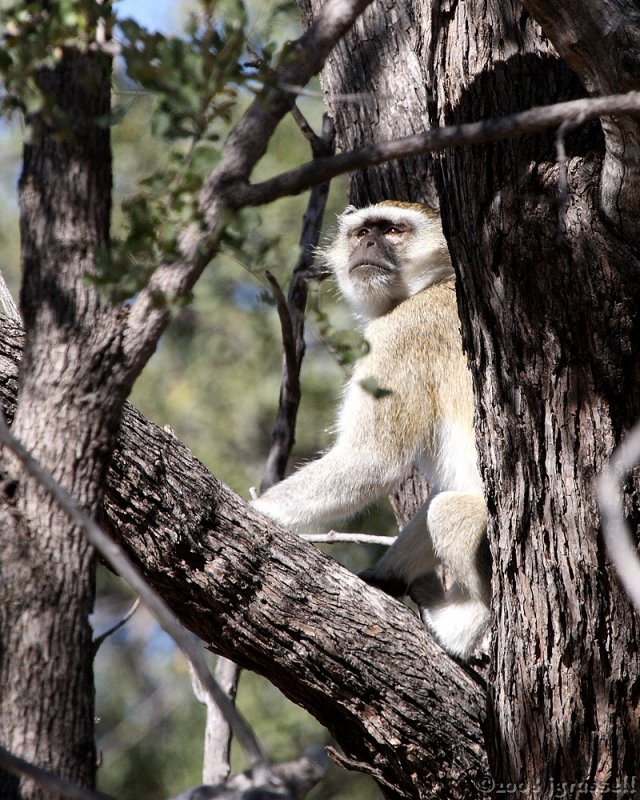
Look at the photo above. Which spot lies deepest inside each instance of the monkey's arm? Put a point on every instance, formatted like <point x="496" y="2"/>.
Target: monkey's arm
<point x="369" y="457"/>
<point x="334" y="487"/>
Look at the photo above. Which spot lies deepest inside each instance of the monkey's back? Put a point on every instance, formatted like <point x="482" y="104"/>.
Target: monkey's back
<point x="424" y="411"/>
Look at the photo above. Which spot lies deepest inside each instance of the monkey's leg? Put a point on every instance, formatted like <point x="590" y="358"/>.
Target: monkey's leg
<point x="457" y="523"/>
<point x="460" y="617"/>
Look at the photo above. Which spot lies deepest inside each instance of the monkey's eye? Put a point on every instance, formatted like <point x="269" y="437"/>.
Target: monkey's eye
<point x="393" y="230"/>
<point x="360" y="232"/>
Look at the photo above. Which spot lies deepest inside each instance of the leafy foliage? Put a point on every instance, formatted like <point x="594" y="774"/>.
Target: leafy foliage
<point x="33" y="38"/>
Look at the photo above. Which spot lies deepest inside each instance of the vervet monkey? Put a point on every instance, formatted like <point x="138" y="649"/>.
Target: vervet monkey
<point x="392" y="266"/>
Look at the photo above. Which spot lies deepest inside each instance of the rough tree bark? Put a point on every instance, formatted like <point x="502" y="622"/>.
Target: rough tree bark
<point x="548" y="293"/>
<point x="549" y="318"/>
<point x="69" y="400"/>
<point x="549" y="305"/>
<point x="350" y="655"/>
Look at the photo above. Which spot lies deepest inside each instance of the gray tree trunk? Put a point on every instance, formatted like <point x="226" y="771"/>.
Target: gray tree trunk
<point x="68" y="403"/>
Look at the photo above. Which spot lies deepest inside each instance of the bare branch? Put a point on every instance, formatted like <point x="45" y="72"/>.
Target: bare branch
<point x="286" y="327"/>
<point x="573" y="113"/>
<point x="217" y="736"/>
<point x="292" y="314"/>
<point x="47" y="779"/>
<point x="100" y="639"/>
<point x="247" y="143"/>
<point x="128" y="571"/>
<point x="331" y="537"/>
<point x="227" y="572"/>
<point x="621" y="548"/>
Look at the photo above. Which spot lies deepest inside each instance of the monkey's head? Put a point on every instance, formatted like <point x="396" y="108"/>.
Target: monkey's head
<point x="385" y="253"/>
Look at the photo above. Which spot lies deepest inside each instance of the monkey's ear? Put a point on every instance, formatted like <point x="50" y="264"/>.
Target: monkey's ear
<point x="348" y="210"/>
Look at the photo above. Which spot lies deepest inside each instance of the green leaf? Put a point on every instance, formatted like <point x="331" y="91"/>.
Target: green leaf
<point x="372" y="387"/>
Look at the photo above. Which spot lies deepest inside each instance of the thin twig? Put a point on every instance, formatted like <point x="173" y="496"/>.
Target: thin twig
<point x="152" y="600"/>
<point x="100" y="639"/>
<point x="286" y="328"/>
<point x="354" y="538"/>
<point x="48" y="780"/>
<point x="536" y="120"/>
<point x="619" y="542"/>
<point x="292" y="314"/>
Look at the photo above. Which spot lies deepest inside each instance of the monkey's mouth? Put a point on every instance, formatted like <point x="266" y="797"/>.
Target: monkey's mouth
<point x="366" y="268"/>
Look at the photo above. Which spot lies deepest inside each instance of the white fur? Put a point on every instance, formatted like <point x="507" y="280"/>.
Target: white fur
<point x="425" y="258"/>
<point x="459" y="622"/>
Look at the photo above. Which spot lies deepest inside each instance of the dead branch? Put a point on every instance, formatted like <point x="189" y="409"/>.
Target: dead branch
<point x="292" y="312"/>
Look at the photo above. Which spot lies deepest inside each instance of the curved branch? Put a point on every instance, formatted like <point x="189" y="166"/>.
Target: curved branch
<point x="570" y="114"/>
<point x="621" y="548"/>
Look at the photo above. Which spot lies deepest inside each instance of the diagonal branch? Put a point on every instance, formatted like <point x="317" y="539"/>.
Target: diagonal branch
<point x="570" y="114"/>
<point x="123" y="565"/>
<point x="291" y="311"/>
<point x="48" y="780"/>
<point x="275" y="604"/>
<point x="246" y="144"/>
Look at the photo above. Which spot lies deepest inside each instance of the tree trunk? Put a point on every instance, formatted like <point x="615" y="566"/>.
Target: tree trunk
<point x="548" y="296"/>
<point x="67" y="413"/>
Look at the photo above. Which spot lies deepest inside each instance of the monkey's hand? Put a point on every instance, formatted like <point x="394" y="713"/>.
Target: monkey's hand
<point x="276" y="508"/>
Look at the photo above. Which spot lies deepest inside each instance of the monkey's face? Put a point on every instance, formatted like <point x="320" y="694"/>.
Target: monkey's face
<point x="386" y="253"/>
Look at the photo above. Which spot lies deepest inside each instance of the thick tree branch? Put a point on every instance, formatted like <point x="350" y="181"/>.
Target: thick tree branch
<point x="355" y="658"/>
<point x="123" y="565"/>
<point x="570" y="114"/>
<point x="601" y="43"/>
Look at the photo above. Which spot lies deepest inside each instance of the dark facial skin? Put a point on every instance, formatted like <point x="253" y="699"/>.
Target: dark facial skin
<point x="374" y="244"/>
